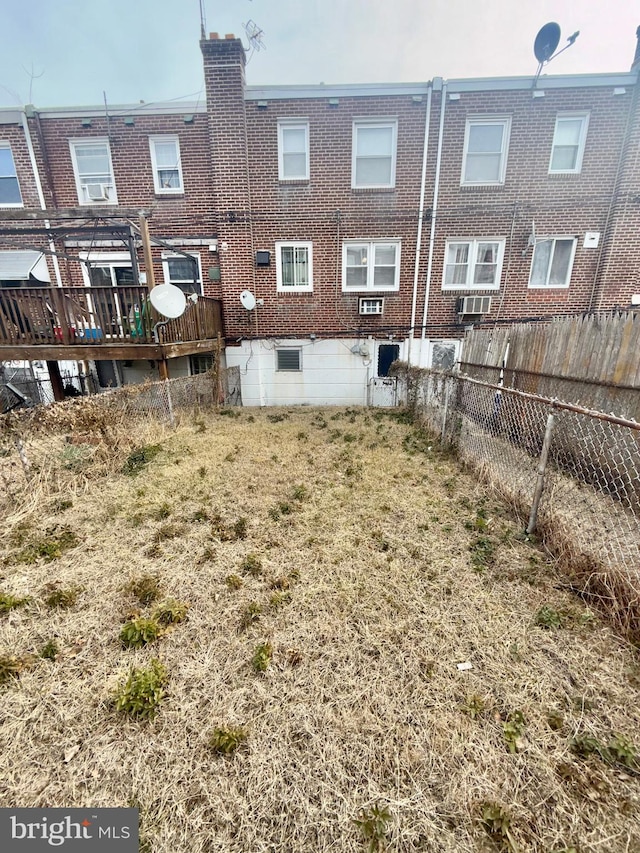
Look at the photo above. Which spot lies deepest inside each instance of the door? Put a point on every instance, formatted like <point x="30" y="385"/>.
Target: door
<point x="382" y="388"/>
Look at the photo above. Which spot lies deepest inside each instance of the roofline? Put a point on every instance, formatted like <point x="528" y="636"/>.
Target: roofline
<point x="10" y="115"/>
<point x="97" y="111"/>
<point x="480" y="84"/>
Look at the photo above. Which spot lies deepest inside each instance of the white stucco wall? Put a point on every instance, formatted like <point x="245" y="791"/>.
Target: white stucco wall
<point x="331" y="374"/>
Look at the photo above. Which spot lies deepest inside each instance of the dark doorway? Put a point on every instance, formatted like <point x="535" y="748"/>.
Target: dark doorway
<point x="387" y="354"/>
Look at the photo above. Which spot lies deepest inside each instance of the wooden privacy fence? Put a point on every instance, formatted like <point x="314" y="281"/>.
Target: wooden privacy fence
<point x="593" y="361"/>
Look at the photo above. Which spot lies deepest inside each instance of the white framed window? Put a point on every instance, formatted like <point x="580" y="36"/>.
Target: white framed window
<point x="167" y="168"/>
<point x="473" y="264"/>
<point x="373" y="265"/>
<point x="569" y="138"/>
<point x="552" y="262"/>
<point x="10" y="195"/>
<point x="288" y="360"/>
<point x="294" y="267"/>
<point x="486" y="142"/>
<point x="93" y="170"/>
<point x="293" y="150"/>
<point x="373" y="162"/>
<point x="183" y="272"/>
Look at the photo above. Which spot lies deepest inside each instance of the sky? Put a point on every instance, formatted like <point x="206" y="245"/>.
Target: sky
<point x="68" y="52"/>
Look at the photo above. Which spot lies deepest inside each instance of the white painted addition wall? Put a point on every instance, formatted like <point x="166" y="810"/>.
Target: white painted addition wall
<point x="331" y="374"/>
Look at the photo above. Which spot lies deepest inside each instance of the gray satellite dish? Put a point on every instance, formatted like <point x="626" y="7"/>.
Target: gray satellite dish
<point x="168" y="300"/>
<point x="546" y="42"/>
<point x="248" y="300"/>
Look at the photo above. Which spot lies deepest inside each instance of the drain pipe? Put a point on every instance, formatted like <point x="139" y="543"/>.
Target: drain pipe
<point x="43" y="205"/>
<point x="423" y="186"/>
<point x="434" y="208"/>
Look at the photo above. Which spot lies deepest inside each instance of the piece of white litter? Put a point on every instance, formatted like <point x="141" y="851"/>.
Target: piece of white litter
<point x="464" y="666"/>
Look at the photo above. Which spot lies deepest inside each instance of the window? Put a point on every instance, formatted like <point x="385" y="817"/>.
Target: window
<point x="93" y="172"/>
<point x="288" y="360"/>
<point x="371" y="266"/>
<point x="374" y="154"/>
<point x="486" y="141"/>
<point x="167" y="169"/>
<point x="552" y="262"/>
<point x="568" y="144"/>
<point x="183" y="272"/>
<point x="443" y="354"/>
<point x="293" y="151"/>
<point x="10" y="195"/>
<point x="201" y="363"/>
<point x="473" y="264"/>
<point x="294" y="267"/>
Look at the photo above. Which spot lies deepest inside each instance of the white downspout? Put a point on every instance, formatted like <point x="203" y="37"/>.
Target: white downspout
<point x="43" y="205"/>
<point x="423" y="186"/>
<point x="434" y="208"/>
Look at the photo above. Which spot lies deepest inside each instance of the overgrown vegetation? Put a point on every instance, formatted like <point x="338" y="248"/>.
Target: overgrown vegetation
<point x="142" y="693"/>
<point x="140" y="457"/>
<point x="225" y="740"/>
<point x="318" y="592"/>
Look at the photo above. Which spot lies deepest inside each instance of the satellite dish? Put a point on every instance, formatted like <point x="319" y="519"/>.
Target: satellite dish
<point x="168" y="300"/>
<point x="546" y="42"/>
<point x="248" y="300"/>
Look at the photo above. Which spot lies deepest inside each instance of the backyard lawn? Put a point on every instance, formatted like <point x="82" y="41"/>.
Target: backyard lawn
<point x="296" y="591"/>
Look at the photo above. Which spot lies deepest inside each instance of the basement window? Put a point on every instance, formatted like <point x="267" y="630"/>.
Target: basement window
<point x="288" y="360"/>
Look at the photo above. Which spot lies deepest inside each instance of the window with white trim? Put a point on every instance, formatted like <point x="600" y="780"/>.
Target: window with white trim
<point x="10" y="195"/>
<point x="294" y="267"/>
<point x="371" y="265"/>
<point x="473" y="264"/>
<point x="552" y="262"/>
<point x="374" y="153"/>
<point x="184" y="272"/>
<point x="93" y="170"/>
<point x="569" y="139"/>
<point x="486" y="142"/>
<point x="167" y="168"/>
<point x="293" y="150"/>
<point x="288" y="360"/>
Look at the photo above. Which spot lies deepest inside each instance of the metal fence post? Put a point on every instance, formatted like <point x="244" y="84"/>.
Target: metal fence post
<point x="24" y="459"/>
<point x="447" y="391"/>
<point x="172" y="420"/>
<point x="542" y="467"/>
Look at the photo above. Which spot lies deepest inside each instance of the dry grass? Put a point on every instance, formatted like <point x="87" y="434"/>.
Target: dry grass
<point x="362" y="710"/>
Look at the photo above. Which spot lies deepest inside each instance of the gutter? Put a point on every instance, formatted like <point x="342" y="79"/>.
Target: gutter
<point x="43" y="206"/>
<point x="434" y="208"/>
<point x="423" y="187"/>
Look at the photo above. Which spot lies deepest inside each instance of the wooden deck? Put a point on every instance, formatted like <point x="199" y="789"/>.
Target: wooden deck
<point x="53" y="323"/>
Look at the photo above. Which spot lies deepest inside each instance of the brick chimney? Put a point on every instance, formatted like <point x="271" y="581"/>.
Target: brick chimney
<point x="636" y="59"/>
<point x="224" y="75"/>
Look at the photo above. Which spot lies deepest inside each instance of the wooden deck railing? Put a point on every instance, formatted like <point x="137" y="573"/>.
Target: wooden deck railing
<point x="98" y="315"/>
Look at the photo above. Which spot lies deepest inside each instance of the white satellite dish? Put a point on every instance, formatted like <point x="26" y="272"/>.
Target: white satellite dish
<point x="248" y="300"/>
<point x="168" y="300"/>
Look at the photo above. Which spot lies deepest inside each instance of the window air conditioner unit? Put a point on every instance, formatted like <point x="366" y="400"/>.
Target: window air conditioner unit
<point x="371" y="306"/>
<point x="474" y="305"/>
<point x="97" y="192"/>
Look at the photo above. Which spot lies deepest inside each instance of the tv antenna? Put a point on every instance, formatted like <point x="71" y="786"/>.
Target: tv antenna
<point x="544" y="47"/>
<point x="254" y="34"/>
<point x="248" y="300"/>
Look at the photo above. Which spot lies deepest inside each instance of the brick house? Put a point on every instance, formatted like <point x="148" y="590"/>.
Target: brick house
<point x="367" y="222"/>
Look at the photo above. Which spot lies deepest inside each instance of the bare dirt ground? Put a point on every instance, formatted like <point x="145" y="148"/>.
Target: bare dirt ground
<point x="367" y="566"/>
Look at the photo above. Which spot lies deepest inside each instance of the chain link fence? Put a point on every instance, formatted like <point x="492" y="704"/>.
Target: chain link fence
<point x="55" y="448"/>
<point x="572" y="473"/>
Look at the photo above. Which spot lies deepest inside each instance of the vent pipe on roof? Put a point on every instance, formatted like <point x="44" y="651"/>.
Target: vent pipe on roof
<point x="636" y="59"/>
